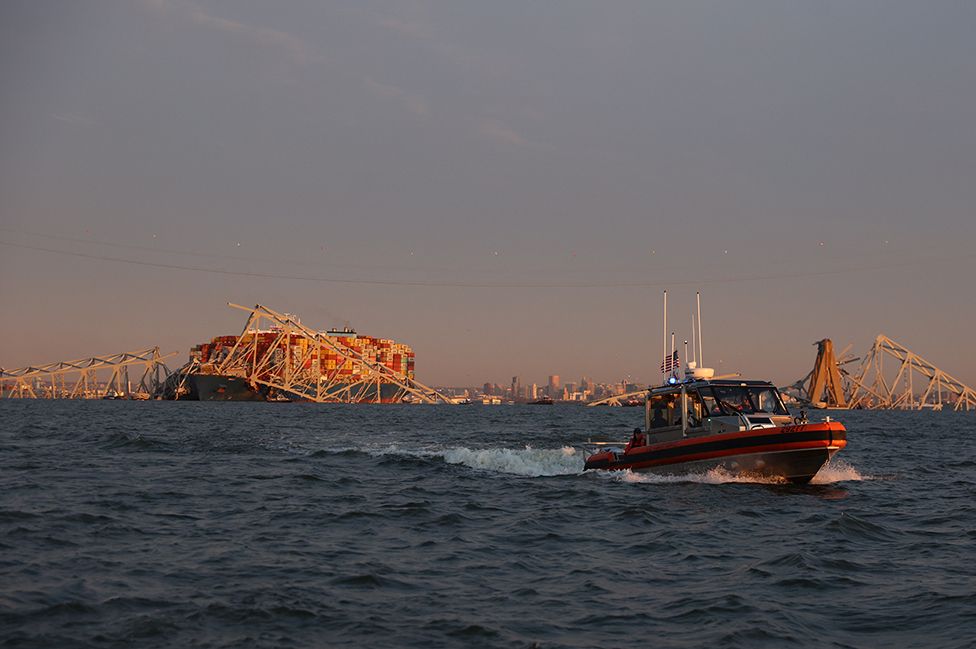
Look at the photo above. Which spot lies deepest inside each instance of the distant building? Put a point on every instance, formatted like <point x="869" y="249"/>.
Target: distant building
<point x="554" y="387"/>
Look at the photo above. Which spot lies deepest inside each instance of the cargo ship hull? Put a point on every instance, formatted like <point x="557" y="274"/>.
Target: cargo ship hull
<point x="216" y="387"/>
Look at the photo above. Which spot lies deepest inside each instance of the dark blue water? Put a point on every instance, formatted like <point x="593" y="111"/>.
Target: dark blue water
<point x="298" y="525"/>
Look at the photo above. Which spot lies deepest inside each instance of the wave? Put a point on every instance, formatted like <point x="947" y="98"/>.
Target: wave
<point x="838" y="471"/>
<point x="717" y="475"/>
<point x="530" y="462"/>
<point x="135" y="441"/>
<point x="830" y="473"/>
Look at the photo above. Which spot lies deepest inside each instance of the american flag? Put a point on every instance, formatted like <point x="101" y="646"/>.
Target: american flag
<point x="670" y="362"/>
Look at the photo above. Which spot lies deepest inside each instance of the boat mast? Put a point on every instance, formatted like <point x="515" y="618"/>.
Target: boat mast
<point x="701" y="355"/>
<point x="671" y="357"/>
<point x="664" y="346"/>
<point x="664" y="332"/>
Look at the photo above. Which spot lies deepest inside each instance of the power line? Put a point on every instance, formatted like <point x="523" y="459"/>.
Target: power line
<point x="510" y="285"/>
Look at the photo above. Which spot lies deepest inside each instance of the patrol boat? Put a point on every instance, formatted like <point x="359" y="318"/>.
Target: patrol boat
<point x="698" y="424"/>
<point x="701" y="422"/>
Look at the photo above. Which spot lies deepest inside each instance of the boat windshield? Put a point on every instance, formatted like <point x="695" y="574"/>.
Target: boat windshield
<point x="735" y="399"/>
<point x="767" y="400"/>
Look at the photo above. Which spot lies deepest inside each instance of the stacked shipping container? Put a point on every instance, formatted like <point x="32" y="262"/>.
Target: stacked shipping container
<point x="324" y="361"/>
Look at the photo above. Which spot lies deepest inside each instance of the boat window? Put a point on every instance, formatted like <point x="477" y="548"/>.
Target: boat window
<point x="696" y="409"/>
<point x="709" y="405"/>
<point x="767" y="399"/>
<point x="662" y="410"/>
<point x="734" y="399"/>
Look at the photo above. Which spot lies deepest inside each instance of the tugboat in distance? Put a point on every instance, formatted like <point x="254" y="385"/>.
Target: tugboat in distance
<point x="542" y="401"/>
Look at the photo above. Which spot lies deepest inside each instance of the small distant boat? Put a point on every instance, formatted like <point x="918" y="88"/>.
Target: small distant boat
<point x="543" y="401"/>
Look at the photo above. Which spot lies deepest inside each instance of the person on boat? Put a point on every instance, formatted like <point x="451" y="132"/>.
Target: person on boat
<point x="659" y="420"/>
<point x="637" y="439"/>
<point x="744" y="405"/>
<point x="737" y="403"/>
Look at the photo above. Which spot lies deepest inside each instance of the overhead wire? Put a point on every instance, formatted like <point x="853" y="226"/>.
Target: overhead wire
<point x="507" y="285"/>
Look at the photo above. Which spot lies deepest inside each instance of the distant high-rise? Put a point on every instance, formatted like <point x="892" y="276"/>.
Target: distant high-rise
<point x="516" y="384"/>
<point x="554" y="387"/>
<point x="487" y="389"/>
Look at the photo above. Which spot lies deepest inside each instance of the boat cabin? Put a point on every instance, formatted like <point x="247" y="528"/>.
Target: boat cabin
<point x="711" y="406"/>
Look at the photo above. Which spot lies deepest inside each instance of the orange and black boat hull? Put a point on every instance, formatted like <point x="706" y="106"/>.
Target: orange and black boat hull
<point x="794" y="453"/>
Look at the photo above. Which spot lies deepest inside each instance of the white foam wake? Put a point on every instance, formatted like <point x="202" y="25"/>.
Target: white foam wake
<point x="837" y="471"/>
<point x="525" y="462"/>
<point x="717" y="475"/>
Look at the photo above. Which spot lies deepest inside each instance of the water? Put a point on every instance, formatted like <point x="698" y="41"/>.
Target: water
<point x="298" y="525"/>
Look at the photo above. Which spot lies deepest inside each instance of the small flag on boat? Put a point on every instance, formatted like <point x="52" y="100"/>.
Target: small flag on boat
<point x="670" y="362"/>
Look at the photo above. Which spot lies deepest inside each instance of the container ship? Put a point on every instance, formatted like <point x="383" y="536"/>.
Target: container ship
<point x="239" y="368"/>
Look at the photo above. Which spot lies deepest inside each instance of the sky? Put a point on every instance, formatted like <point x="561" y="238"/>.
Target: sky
<point x="507" y="187"/>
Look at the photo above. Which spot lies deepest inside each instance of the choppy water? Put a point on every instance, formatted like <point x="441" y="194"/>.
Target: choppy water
<point x="298" y="525"/>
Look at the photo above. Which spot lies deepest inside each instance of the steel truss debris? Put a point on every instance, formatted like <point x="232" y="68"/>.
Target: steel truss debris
<point x="281" y="367"/>
<point x="872" y="387"/>
<point x="620" y="399"/>
<point x="824" y="385"/>
<point x="79" y="379"/>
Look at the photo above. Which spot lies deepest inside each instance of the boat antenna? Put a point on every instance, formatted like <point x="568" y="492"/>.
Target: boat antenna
<point x="701" y="355"/>
<point x="694" y="341"/>
<point x="671" y="358"/>
<point x="686" y="352"/>
<point x="664" y="331"/>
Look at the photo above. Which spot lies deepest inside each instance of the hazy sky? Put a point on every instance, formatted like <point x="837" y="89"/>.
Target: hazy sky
<point x="505" y="186"/>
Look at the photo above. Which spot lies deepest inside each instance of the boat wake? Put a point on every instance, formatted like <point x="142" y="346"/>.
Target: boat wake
<point x="831" y="473"/>
<point x="712" y="476"/>
<point x="527" y="462"/>
<point x="530" y="462"/>
<point x="838" y="471"/>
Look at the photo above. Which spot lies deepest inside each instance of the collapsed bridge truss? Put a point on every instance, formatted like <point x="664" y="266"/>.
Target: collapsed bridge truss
<point x="916" y="384"/>
<point x="79" y="379"/>
<point x="620" y="399"/>
<point x="287" y="364"/>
